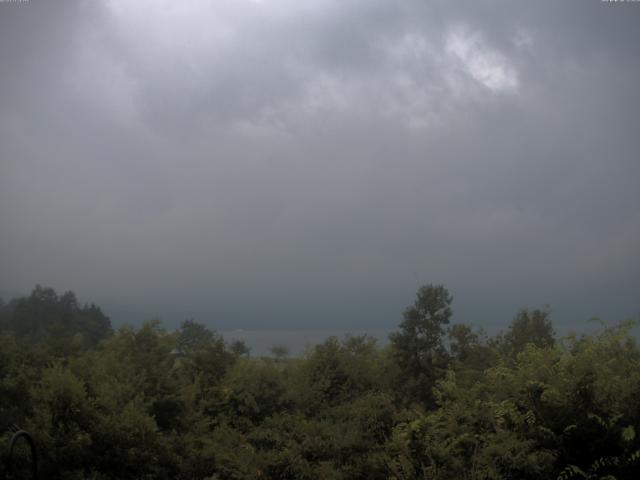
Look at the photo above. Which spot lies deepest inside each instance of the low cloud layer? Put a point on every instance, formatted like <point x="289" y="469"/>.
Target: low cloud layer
<point x="282" y="164"/>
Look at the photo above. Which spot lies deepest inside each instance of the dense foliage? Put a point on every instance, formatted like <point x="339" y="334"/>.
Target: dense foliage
<point x="440" y="402"/>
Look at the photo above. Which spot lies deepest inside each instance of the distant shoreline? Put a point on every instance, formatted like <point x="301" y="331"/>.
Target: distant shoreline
<point x="297" y="341"/>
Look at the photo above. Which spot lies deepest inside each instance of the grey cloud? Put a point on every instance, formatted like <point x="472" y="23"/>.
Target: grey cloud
<point x="303" y="163"/>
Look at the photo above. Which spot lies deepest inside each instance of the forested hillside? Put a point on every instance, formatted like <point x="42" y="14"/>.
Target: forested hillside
<point x="442" y="401"/>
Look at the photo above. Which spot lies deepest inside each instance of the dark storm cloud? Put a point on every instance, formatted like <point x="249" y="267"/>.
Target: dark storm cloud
<point x="283" y="163"/>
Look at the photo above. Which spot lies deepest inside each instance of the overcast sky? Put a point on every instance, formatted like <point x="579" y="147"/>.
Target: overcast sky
<point x="308" y="164"/>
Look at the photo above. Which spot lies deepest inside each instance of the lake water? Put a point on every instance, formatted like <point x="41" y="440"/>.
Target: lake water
<point x="297" y="341"/>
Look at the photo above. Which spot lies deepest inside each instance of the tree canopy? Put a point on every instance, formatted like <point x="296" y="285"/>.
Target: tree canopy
<point x="418" y="346"/>
<point x="46" y="315"/>
<point x="150" y="403"/>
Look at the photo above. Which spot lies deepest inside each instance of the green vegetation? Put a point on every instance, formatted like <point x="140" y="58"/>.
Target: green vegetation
<point x="440" y="402"/>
